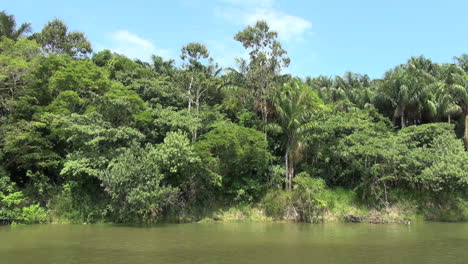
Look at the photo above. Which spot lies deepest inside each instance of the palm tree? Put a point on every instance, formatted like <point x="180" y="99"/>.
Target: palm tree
<point x="323" y="86"/>
<point x="396" y="90"/>
<point x="406" y="87"/>
<point x="294" y="104"/>
<point x="8" y="27"/>
<point x="460" y="94"/>
<point x="355" y="88"/>
<point x="462" y="61"/>
<point x="459" y="88"/>
<point x="441" y="103"/>
<point x="161" y="66"/>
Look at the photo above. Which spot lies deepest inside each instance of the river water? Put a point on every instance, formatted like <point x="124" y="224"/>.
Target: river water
<point x="236" y="243"/>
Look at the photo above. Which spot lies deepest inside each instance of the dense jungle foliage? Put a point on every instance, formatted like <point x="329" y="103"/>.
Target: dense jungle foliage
<point x="95" y="136"/>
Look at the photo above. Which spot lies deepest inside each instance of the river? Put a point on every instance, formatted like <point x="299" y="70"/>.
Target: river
<point x="236" y="243"/>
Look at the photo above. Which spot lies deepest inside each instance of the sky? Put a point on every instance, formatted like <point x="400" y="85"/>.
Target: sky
<point x="328" y="37"/>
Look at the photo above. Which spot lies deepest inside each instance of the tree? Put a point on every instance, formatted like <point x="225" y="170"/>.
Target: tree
<point x="102" y="58"/>
<point x="448" y="171"/>
<point x="182" y="167"/>
<point x="235" y="81"/>
<point x="192" y="53"/>
<point x="18" y="61"/>
<point x="169" y="119"/>
<point x="267" y="58"/>
<point x="327" y="153"/>
<point x="406" y="88"/>
<point x="27" y="147"/>
<point x="237" y="156"/>
<point x="8" y="27"/>
<point x="441" y="102"/>
<point x="352" y="87"/>
<point x="56" y="39"/>
<point x="123" y="107"/>
<point x="81" y="76"/>
<point x="462" y="61"/>
<point x="460" y="93"/>
<point x="161" y="66"/>
<point x="88" y="144"/>
<point x="134" y="182"/>
<point x="160" y="90"/>
<point x="294" y="105"/>
<point x="200" y="82"/>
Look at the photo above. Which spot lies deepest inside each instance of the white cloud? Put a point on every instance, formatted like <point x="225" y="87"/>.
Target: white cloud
<point x="224" y="53"/>
<point x="287" y="26"/>
<point x="245" y="12"/>
<point x="133" y="46"/>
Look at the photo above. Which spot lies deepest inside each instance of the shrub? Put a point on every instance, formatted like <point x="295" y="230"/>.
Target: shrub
<point x="33" y="214"/>
<point x="307" y="197"/>
<point x="239" y="157"/>
<point x="276" y="202"/>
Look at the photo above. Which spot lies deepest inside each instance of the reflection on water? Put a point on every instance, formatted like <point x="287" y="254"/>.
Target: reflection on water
<point x="236" y="243"/>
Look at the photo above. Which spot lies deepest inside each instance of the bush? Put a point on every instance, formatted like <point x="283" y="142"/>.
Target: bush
<point x="239" y="156"/>
<point x="133" y="180"/>
<point x="276" y="203"/>
<point x="240" y="214"/>
<point x="306" y="202"/>
<point x="13" y="209"/>
<point x="33" y="214"/>
<point x="63" y="208"/>
<point x="307" y="197"/>
<point x="10" y="207"/>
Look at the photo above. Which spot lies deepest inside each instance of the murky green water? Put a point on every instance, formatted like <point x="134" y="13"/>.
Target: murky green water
<point x="236" y="243"/>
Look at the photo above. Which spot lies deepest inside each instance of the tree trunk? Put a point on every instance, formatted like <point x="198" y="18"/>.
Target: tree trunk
<point x="189" y="92"/>
<point x="402" y="120"/>
<point x="265" y="117"/>
<point x="197" y="110"/>
<point x="289" y="171"/>
<point x="449" y="119"/>
<point x="466" y="130"/>
<point x="286" y="159"/>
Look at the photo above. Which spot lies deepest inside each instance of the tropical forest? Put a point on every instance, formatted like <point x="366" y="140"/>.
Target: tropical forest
<point x="98" y="137"/>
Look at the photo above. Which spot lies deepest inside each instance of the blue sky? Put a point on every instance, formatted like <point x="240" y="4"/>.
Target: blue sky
<point x="321" y="37"/>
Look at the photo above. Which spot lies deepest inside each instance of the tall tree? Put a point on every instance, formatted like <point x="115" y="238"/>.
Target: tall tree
<point x="195" y="56"/>
<point x="55" y="38"/>
<point x="462" y="61"/>
<point x="406" y="88"/>
<point x="353" y="87"/>
<point x="459" y="88"/>
<point x="8" y="27"/>
<point x="460" y="92"/>
<point x="294" y="105"/>
<point x="441" y="102"/>
<point x="17" y="62"/>
<point x="267" y="58"/>
<point x="161" y="66"/>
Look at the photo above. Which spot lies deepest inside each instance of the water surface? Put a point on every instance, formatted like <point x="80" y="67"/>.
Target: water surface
<point x="236" y="243"/>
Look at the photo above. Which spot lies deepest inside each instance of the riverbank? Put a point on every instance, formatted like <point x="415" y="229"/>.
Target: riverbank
<point x="248" y="214"/>
<point x="328" y="206"/>
<point x="338" y="206"/>
<point x="396" y="214"/>
<point x="400" y="214"/>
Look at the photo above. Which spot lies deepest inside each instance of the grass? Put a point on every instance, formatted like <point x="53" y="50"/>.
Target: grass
<point x="340" y="205"/>
<point x="245" y="213"/>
